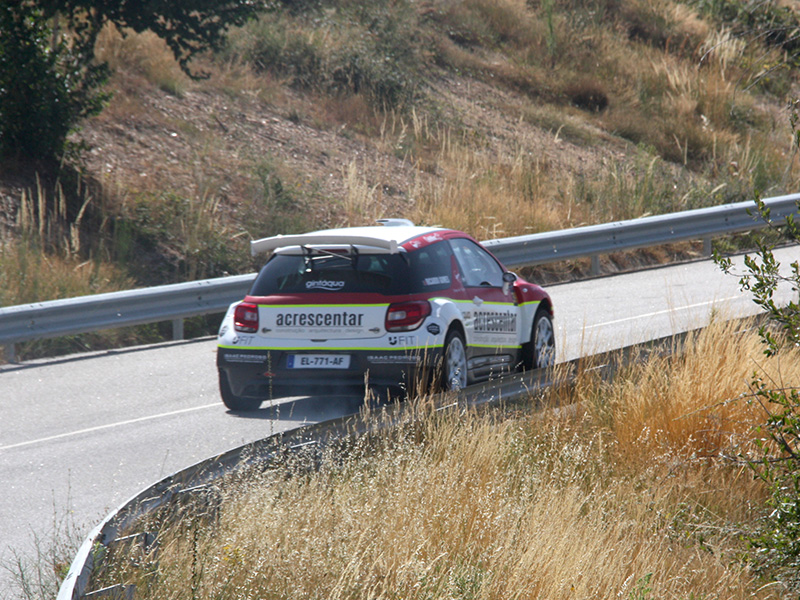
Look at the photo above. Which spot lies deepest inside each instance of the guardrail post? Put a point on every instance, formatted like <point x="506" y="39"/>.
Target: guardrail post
<point x="177" y="329"/>
<point x="9" y="353"/>
<point x="595" y="270"/>
<point x="707" y="246"/>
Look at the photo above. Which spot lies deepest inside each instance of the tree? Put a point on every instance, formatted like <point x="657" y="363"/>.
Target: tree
<point x="49" y="79"/>
<point x="44" y="90"/>
<point x="187" y="26"/>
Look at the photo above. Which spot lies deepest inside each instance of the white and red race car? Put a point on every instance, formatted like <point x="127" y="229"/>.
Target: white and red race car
<point x="394" y="305"/>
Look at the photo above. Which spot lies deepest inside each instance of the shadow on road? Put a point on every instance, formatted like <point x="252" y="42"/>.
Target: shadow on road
<point x="314" y="407"/>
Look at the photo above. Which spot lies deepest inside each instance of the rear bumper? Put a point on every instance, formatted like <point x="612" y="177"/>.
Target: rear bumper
<point x="263" y="374"/>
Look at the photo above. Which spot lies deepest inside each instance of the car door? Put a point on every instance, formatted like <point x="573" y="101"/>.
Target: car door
<point x="493" y="327"/>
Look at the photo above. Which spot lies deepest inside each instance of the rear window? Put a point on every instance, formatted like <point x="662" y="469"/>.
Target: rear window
<point x="425" y="270"/>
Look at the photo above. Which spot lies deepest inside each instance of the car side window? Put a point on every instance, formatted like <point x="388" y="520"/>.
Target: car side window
<point x="430" y="267"/>
<point x="477" y="265"/>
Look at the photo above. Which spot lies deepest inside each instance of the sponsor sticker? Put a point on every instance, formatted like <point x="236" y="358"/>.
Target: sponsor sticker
<point x="324" y="284"/>
<point x="434" y="329"/>
<point x="403" y="340"/>
<point x="244" y="358"/>
<point x="328" y="319"/>
<point x="495" y="322"/>
<point x="394" y="359"/>
<point x="444" y="279"/>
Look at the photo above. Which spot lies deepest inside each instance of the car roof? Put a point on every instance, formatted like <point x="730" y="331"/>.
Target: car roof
<point x="392" y="237"/>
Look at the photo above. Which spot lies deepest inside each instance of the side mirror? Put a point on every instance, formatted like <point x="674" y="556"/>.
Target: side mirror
<point x="508" y="280"/>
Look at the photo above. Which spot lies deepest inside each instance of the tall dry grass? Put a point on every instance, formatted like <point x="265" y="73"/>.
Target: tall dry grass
<point x="29" y="275"/>
<point x="143" y="53"/>
<point x="627" y="497"/>
<point x="695" y="404"/>
<point x="46" y="259"/>
<point x="493" y="196"/>
<point x="488" y="195"/>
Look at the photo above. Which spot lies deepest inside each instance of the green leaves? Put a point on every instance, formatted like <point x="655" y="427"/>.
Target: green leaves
<point x="45" y="88"/>
<point x="763" y="277"/>
<point x="187" y="26"/>
<point x="777" y="440"/>
<point x="49" y="79"/>
<point x="777" y="543"/>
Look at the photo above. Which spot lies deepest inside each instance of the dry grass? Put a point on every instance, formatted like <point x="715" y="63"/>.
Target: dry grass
<point x="360" y="202"/>
<point x="490" y="197"/>
<point x="145" y="54"/>
<point x="493" y="196"/>
<point x="28" y="275"/>
<point x="628" y="497"/>
<point x="47" y="261"/>
<point x="691" y="405"/>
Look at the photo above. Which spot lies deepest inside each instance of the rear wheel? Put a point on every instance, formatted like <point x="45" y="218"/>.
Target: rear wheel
<point x="540" y="352"/>
<point x="233" y="402"/>
<point x="454" y="369"/>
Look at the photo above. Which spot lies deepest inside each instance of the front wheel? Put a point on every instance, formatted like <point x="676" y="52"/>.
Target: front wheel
<point x="232" y="401"/>
<point x="454" y="369"/>
<point x="540" y="352"/>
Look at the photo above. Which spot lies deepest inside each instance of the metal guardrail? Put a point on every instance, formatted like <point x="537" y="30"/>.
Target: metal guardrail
<point x="175" y="302"/>
<point x="71" y="316"/>
<point x="595" y="240"/>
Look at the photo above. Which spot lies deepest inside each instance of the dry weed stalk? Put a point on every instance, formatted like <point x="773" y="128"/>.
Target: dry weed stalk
<point x="361" y="206"/>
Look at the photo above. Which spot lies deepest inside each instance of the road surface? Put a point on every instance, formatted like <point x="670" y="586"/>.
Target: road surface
<point x="81" y="435"/>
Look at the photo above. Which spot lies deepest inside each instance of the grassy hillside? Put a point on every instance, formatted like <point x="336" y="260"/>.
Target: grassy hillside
<point x="637" y="491"/>
<point x="498" y="117"/>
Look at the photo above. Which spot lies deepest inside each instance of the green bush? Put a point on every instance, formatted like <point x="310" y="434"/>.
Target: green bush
<point x="778" y="438"/>
<point x="347" y="50"/>
<point x="49" y="78"/>
<point x="166" y="237"/>
<point x="778" y="541"/>
<point x="44" y="90"/>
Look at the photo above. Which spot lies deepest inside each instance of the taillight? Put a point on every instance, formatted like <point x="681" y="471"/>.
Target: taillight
<point x="245" y="317"/>
<point x="406" y="316"/>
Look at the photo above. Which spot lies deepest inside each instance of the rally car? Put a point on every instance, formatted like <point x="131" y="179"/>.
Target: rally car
<point x="392" y="305"/>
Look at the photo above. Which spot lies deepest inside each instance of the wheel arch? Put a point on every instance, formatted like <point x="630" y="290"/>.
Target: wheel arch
<point x="456" y="325"/>
<point x="547" y="304"/>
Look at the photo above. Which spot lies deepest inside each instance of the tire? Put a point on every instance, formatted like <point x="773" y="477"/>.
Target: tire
<point x="540" y="352"/>
<point x="233" y="402"/>
<point x="454" y="362"/>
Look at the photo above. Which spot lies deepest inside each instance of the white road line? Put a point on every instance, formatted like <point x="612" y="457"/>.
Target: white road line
<point x="661" y="312"/>
<point x="109" y="426"/>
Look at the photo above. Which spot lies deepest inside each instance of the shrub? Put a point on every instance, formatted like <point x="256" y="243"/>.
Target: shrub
<point x="44" y="89"/>
<point x="777" y="462"/>
<point x="167" y="237"/>
<point x="349" y="51"/>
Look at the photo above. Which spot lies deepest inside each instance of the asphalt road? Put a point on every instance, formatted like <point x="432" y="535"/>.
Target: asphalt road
<point x="81" y="435"/>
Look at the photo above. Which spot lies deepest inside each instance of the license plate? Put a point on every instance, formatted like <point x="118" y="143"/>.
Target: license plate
<point x="318" y="361"/>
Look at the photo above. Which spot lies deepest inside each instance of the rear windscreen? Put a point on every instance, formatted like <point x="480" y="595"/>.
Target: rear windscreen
<point x="424" y="270"/>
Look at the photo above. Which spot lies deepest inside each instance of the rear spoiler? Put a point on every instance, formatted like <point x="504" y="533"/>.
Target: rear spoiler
<point x="323" y="239"/>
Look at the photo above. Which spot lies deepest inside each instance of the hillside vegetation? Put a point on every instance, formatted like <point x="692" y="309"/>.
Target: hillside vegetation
<point x="498" y="117"/>
<point x="637" y="490"/>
